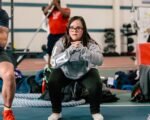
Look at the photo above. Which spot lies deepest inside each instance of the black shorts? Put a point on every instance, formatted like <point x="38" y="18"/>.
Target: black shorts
<point x="52" y="39"/>
<point x="4" y="57"/>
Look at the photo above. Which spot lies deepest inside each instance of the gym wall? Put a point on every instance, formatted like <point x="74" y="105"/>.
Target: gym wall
<point x="99" y="15"/>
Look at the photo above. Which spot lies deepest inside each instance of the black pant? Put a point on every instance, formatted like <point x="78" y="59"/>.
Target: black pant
<point x="91" y="81"/>
<point x="52" y="39"/>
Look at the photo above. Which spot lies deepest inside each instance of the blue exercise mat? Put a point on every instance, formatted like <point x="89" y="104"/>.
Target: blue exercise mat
<point x="83" y="113"/>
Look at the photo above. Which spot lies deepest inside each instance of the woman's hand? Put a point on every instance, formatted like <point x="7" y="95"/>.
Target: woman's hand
<point x="76" y="44"/>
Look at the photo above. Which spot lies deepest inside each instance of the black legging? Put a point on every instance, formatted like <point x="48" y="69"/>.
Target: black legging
<point x="91" y="81"/>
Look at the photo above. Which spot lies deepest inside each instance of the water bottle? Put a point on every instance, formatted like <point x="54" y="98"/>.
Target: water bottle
<point x="43" y="85"/>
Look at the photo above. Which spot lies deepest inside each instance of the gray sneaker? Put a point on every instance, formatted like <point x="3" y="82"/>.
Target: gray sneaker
<point x="55" y="116"/>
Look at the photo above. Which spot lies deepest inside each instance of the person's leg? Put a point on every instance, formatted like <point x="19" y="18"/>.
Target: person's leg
<point x="8" y="89"/>
<point x="9" y="84"/>
<point x="92" y="82"/>
<point x="56" y="82"/>
<point x="49" y="49"/>
<point x="52" y="39"/>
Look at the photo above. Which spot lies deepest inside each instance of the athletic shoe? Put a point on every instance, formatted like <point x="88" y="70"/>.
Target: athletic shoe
<point x="55" y="116"/>
<point x="8" y="115"/>
<point x="97" y="116"/>
<point x="148" y="118"/>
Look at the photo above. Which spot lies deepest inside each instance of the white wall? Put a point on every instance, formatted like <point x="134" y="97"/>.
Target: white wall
<point x="98" y="16"/>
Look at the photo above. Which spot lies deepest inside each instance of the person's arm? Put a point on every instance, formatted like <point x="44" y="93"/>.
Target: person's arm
<point x="60" y="55"/>
<point x="65" y="12"/>
<point x="93" y="54"/>
<point x="46" y="9"/>
<point x="3" y="36"/>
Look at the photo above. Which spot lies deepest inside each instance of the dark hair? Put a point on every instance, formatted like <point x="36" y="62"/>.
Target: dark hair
<point x="43" y="7"/>
<point x="59" y="2"/>
<point x="85" y="37"/>
<point x="0" y="4"/>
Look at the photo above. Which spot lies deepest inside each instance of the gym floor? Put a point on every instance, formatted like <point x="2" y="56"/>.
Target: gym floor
<point x="121" y="110"/>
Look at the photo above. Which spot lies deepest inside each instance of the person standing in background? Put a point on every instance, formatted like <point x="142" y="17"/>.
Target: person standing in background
<point x="57" y="21"/>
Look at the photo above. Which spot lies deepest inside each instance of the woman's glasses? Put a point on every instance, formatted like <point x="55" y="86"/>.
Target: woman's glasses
<point x="78" y="29"/>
